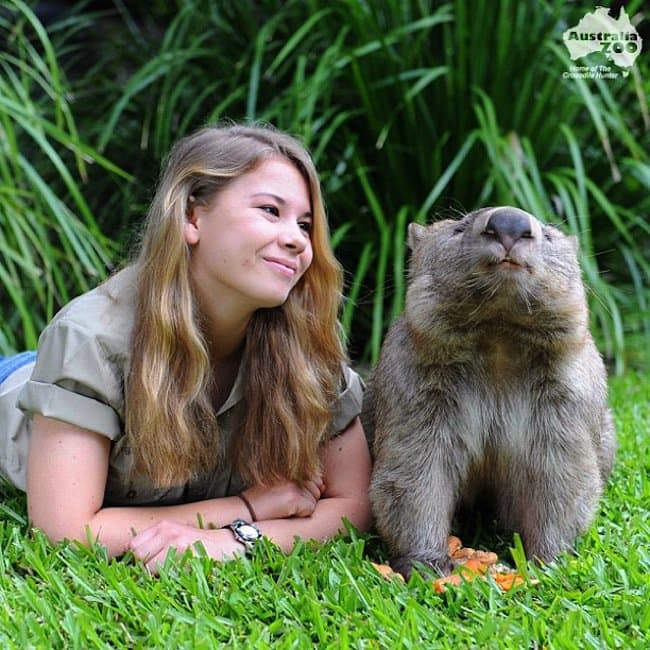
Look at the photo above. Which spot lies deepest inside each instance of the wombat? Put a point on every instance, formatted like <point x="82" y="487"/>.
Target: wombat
<point x="489" y="384"/>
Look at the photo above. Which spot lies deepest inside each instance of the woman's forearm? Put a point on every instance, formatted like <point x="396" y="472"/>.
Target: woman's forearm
<point x="153" y="545"/>
<point x="115" y="527"/>
<point x="324" y="523"/>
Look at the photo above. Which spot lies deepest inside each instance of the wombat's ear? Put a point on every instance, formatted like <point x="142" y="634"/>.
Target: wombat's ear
<point x="415" y="234"/>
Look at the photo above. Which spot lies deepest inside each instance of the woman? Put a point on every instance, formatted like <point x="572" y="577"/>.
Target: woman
<point x="203" y="387"/>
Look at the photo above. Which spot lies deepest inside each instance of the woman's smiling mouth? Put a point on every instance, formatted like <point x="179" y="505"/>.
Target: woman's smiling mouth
<point x="286" y="267"/>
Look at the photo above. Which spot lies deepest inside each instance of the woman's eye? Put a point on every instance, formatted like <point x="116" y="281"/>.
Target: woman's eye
<point x="306" y="226"/>
<point x="270" y="209"/>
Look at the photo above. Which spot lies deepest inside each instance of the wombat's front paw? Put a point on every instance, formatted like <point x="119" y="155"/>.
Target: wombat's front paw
<point x="405" y="564"/>
<point x="545" y="551"/>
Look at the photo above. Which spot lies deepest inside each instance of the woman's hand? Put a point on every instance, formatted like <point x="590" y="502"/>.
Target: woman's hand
<point x="152" y="545"/>
<point x="285" y="499"/>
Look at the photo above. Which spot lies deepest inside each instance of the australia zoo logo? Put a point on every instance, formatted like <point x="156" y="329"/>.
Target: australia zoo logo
<point x="598" y="31"/>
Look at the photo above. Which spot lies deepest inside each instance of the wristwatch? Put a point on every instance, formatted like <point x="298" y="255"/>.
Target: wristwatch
<point x="245" y="533"/>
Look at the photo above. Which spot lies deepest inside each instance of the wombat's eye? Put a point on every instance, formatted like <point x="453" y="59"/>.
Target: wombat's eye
<point x="459" y="230"/>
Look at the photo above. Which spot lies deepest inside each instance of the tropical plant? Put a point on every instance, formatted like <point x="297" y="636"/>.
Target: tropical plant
<point x="413" y="110"/>
<point x="50" y="246"/>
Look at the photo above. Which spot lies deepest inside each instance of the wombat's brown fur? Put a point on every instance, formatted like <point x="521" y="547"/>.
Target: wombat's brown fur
<point x="489" y="383"/>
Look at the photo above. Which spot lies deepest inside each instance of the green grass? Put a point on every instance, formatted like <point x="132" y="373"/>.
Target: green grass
<point x="330" y="597"/>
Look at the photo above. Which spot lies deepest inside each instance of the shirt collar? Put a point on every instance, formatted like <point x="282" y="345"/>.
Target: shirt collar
<point x="236" y="392"/>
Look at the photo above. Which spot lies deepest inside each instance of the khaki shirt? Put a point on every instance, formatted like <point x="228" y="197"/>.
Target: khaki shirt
<point x="78" y="377"/>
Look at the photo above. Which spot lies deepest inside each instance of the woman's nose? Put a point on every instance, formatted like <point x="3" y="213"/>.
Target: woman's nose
<point x="293" y="237"/>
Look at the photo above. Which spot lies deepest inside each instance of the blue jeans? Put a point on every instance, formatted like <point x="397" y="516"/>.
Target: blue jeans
<point x="9" y="365"/>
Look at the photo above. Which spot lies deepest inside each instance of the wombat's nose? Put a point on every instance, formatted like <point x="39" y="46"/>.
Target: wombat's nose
<point x="509" y="225"/>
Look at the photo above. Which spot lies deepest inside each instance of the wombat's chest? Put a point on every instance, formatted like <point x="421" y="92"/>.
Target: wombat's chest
<point x="495" y="418"/>
<point x="496" y="437"/>
<point x="503" y="364"/>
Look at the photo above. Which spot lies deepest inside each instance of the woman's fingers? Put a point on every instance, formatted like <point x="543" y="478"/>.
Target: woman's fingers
<point x="152" y="545"/>
<point x="313" y="487"/>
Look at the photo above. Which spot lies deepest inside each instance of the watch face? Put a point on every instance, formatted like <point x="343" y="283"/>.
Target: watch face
<point x="248" y="532"/>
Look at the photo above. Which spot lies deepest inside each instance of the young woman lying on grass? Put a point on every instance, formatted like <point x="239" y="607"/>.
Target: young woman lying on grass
<point x="205" y="382"/>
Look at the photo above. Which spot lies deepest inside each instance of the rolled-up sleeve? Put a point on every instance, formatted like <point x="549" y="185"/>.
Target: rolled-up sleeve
<point x="348" y="404"/>
<point x="74" y="381"/>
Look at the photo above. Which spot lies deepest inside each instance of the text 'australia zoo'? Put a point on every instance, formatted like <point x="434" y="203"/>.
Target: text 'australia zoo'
<point x="618" y="42"/>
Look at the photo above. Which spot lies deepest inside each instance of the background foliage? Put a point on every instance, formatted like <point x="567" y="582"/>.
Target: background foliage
<point x="413" y="109"/>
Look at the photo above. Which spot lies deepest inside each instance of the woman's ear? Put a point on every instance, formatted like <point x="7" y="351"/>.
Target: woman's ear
<point x="191" y="230"/>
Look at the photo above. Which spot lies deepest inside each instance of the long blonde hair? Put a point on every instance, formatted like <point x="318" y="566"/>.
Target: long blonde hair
<point x="293" y="353"/>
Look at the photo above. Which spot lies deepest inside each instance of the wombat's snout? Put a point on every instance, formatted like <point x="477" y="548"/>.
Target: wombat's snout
<point x="509" y="225"/>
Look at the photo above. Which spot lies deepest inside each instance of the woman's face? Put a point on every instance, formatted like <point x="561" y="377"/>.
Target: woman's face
<point x="250" y="247"/>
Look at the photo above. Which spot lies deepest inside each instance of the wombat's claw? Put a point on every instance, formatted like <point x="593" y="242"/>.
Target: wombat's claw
<point x="405" y="565"/>
<point x="443" y="565"/>
<point x="402" y="565"/>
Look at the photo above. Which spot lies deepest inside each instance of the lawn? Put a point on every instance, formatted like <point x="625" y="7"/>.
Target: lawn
<point x="331" y="597"/>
